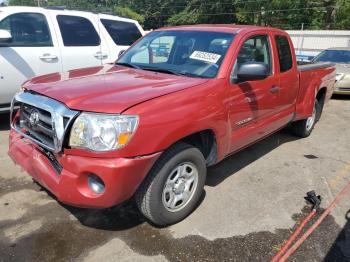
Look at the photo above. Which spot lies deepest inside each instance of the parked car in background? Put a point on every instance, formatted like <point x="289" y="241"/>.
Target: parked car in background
<point x="36" y="41"/>
<point x="149" y="127"/>
<point x="303" y="58"/>
<point x="341" y="58"/>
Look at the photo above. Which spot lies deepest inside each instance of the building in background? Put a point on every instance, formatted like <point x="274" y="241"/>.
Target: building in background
<point x="309" y="43"/>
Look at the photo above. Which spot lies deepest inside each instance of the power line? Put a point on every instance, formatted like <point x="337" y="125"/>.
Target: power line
<point x="261" y="11"/>
<point x="183" y="4"/>
<point x="220" y="3"/>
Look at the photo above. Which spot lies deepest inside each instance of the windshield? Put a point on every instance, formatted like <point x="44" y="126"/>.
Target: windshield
<point x="190" y="53"/>
<point x="335" y="56"/>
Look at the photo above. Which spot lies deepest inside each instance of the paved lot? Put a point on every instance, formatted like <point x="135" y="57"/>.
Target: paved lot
<point x="252" y="201"/>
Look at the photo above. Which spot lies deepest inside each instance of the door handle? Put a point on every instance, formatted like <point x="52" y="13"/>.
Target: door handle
<point x="48" y="57"/>
<point x="274" y="89"/>
<point x="100" y="55"/>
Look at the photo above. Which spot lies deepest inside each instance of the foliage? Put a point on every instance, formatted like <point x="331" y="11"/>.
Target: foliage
<point x="286" y="14"/>
<point x="209" y="12"/>
<point x="343" y="15"/>
<point x="185" y="17"/>
<point x="127" y="12"/>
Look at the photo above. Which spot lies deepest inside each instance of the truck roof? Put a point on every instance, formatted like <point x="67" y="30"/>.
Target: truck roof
<point x="225" y="28"/>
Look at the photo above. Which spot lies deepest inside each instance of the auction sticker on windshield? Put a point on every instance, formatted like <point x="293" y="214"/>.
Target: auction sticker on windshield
<point x="206" y="57"/>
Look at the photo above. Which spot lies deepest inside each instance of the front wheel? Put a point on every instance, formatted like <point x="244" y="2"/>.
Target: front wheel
<point x="173" y="187"/>
<point x="303" y="128"/>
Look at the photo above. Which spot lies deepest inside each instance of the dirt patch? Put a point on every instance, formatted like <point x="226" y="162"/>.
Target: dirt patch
<point x="259" y="246"/>
<point x="61" y="238"/>
<point x="15" y="184"/>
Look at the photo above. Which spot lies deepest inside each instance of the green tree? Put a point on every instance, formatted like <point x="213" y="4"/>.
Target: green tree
<point x="23" y="2"/>
<point x="127" y="12"/>
<point x="185" y="17"/>
<point x="208" y="12"/>
<point x="342" y="15"/>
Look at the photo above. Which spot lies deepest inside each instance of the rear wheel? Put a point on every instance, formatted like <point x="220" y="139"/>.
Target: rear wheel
<point x="173" y="187"/>
<point x="303" y="128"/>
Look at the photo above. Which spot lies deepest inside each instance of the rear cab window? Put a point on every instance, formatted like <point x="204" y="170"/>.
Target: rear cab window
<point x="27" y="30"/>
<point x="284" y="53"/>
<point x="77" y="31"/>
<point x="123" y="33"/>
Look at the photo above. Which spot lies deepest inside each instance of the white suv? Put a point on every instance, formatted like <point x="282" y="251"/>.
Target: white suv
<point x="36" y="41"/>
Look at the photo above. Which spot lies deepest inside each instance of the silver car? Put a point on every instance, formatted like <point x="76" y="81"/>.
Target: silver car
<point x="341" y="57"/>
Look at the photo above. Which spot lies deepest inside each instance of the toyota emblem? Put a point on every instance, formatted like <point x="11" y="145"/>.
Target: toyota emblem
<point x="34" y="118"/>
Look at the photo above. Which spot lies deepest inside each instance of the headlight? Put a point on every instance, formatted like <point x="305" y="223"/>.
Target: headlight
<point x="100" y="132"/>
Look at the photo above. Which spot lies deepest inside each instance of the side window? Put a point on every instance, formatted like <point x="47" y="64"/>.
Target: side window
<point x="77" y="31"/>
<point x="122" y="33"/>
<point x="284" y="54"/>
<point x="255" y="49"/>
<point x="27" y="30"/>
<point x="159" y="50"/>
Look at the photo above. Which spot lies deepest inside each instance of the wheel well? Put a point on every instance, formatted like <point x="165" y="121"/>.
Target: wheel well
<point x="205" y="141"/>
<point x="321" y="95"/>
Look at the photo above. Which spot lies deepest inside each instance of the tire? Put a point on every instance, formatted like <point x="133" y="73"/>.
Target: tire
<point x="170" y="178"/>
<point x="303" y="128"/>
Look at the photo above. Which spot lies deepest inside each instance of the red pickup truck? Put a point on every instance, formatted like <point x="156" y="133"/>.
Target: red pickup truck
<point x="179" y="100"/>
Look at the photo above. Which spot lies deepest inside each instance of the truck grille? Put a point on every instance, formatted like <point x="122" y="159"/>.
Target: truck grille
<point x="41" y="119"/>
<point x="38" y="124"/>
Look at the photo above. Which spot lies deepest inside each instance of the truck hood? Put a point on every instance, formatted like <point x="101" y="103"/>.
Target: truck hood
<point x="109" y="88"/>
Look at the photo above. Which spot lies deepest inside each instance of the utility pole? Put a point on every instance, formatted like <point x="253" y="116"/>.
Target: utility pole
<point x="302" y="38"/>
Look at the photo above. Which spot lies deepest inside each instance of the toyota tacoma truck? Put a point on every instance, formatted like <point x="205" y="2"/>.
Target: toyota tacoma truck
<point x="148" y="126"/>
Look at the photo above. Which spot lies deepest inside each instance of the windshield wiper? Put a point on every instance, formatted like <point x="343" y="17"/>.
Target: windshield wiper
<point x="162" y="70"/>
<point x="127" y="65"/>
<point x="173" y="72"/>
<point x="191" y="75"/>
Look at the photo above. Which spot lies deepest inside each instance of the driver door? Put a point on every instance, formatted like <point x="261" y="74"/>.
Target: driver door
<point x="252" y="103"/>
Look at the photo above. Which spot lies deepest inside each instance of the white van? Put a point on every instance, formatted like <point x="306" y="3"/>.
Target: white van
<point x="36" y="41"/>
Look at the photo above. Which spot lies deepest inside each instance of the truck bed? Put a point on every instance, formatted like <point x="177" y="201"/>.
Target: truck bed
<point x="312" y="78"/>
<point x="312" y="66"/>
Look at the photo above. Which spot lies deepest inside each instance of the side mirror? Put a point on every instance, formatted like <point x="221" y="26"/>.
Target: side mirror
<point x="5" y="35"/>
<point x="251" y="71"/>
